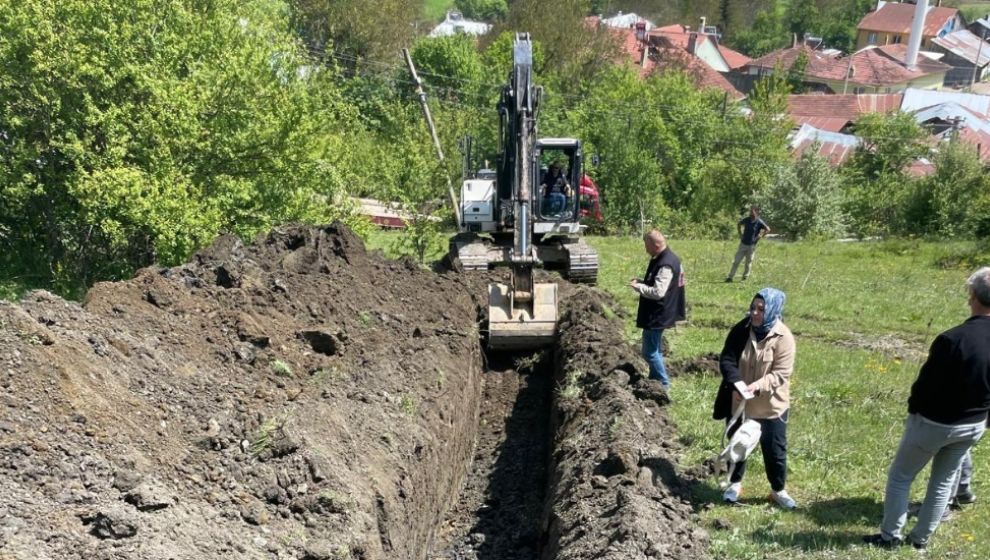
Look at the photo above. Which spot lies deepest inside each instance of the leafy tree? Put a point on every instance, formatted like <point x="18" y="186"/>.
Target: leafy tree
<point x="802" y="17"/>
<point x="795" y="74"/>
<point x="959" y="192"/>
<point x="805" y="199"/>
<point x="451" y="64"/>
<point x="351" y="30"/>
<point x="877" y="185"/>
<point x="766" y="35"/>
<point x="164" y="124"/>
<point x="487" y="10"/>
<point x="572" y="50"/>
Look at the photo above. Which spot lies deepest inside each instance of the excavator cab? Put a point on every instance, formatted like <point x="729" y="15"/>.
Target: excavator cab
<point x="560" y="176"/>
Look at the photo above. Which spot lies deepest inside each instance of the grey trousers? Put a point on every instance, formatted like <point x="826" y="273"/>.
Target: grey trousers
<point x="923" y="441"/>
<point x="964" y="476"/>
<point x="743" y="251"/>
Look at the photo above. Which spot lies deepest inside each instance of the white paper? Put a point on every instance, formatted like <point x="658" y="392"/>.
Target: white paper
<point x="743" y="390"/>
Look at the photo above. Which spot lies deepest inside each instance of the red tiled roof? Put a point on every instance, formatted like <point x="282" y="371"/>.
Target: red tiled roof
<point x="836" y="154"/>
<point x="897" y="18"/>
<point x="817" y="60"/>
<point x="670" y="59"/>
<point x="733" y="58"/>
<point x="877" y="67"/>
<point x="633" y="48"/>
<point x="834" y="112"/>
<point x="977" y="138"/>
<point x="677" y="35"/>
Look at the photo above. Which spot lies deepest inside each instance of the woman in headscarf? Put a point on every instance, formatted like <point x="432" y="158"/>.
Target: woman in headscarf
<point x="759" y="352"/>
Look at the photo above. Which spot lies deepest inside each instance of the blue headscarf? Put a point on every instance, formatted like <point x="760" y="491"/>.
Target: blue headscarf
<point x="773" y="301"/>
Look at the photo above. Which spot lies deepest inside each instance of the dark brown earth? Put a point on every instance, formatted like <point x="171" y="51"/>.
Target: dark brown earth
<point x="301" y="398"/>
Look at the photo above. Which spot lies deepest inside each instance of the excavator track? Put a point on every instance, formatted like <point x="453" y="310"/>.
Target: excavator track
<point x="471" y="253"/>
<point x="582" y="262"/>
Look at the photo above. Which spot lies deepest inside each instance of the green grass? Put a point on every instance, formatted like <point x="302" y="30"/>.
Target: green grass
<point x="435" y="10"/>
<point x="863" y="315"/>
<point x="973" y="11"/>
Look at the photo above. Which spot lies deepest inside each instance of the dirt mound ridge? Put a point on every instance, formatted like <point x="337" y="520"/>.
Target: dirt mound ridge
<point x="300" y="398"/>
<point x="295" y="398"/>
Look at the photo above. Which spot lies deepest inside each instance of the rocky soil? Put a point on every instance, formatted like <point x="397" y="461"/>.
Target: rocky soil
<point x="302" y="398"/>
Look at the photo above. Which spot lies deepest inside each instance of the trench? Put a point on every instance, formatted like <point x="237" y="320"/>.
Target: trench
<point x="498" y="513"/>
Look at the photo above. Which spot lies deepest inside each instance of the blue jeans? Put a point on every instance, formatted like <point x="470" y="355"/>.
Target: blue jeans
<point x="923" y="441"/>
<point x="653" y="355"/>
<point x="554" y="204"/>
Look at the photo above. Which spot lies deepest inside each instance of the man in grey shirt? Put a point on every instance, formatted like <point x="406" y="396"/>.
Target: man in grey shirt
<point x="751" y="229"/>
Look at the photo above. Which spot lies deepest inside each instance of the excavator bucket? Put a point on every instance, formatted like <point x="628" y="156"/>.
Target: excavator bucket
<point x="523" y="327"/>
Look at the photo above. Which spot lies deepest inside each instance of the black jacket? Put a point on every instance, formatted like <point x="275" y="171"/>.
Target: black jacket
<point x="728" y="366"/>
<point x="953" y="386"/>
<point x="663" y="313"/>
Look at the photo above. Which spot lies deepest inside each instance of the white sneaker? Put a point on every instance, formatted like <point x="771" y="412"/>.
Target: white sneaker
<point x="732" y="493"/>
<point x="783" y="499"/>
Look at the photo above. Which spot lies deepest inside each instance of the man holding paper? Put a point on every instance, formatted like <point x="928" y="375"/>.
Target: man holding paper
<point x="756" y="365"/>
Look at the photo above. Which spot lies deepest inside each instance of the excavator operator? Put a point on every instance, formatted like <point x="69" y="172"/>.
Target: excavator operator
<point x="555" y="190"/>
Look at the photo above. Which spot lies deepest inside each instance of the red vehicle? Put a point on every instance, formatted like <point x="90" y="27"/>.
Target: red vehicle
<point x="590" y="200"/>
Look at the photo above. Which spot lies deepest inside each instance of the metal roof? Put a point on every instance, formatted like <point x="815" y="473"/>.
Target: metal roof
<point x="966" y="45"/>
<point x="627" y="20"/>
<point x="949" y="111"/>
<point x="915" y="99"/>
<point x="833" y="146"/>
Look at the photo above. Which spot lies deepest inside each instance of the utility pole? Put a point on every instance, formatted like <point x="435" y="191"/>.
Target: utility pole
<point x="433" y="133"/>
<point x="976" y="65"/>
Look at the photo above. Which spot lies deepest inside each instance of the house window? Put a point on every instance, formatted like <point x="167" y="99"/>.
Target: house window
<point x="871" y="38"/>
<point x="897" y="39"/>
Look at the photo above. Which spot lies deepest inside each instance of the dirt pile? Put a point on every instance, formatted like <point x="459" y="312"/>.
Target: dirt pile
<point x="296" y="398"/>
<point x="299" y="398"/>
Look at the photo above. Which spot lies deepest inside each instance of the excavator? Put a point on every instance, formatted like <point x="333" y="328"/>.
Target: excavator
<point x="508" y="216"/>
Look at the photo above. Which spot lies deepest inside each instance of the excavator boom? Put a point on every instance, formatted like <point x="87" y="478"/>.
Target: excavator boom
<point x="521" y="315"/>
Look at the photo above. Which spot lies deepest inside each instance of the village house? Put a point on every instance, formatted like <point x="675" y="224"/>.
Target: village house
<point x="967" y="54"/>
<point x="872" y="70"/>
<point x="890" y="24"/>
<point x="455" y="23"/>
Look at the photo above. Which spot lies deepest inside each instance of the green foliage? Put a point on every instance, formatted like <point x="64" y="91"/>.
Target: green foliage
<point x="863" y="315"/>
<point x="878" y="189"/>
<point x="805" y="199"/>
<point x="451" y="64"/>
<point x="164" y="125"/>
<point x="958" y="193"/>
<point x="353" y="29"/>
<point x="486" y="10"/>
<point x="281" y="368"/>
<point x="573" y="51"/>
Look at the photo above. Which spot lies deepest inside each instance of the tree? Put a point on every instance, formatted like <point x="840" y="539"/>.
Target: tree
<point x="572" y="50"/>
<point x="350" y="30"/>
<point x="487" y="10"/>
<point x="805" y="199"/>
<point x="163" y="125"/>
<point x="877" y="185"/>
<point x="801" y="17"/>
<point x="959" y="192"/>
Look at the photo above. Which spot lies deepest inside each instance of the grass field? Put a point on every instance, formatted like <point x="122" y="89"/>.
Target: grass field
<point x="435" y="10"/>
<point x="863" y="315"/>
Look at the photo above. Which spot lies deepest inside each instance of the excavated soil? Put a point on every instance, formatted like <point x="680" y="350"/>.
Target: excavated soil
<point x="301" y="398"/>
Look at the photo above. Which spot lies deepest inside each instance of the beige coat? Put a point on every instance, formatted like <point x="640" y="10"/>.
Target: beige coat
<point x="769" y="363"/>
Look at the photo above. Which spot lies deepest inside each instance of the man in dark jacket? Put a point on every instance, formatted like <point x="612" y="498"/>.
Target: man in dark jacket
<point x="947" y="414"/>
<point x="661" y="300"/>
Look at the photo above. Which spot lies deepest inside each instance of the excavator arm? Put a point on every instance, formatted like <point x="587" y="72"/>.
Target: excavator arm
<point x="522" y="314"/>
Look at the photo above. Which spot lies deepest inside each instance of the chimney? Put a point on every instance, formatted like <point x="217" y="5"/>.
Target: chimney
<point x="641" y="31"/>
<point x="692" y="45"/>
<point x="914" y="41"/>
<point x="703" y="21"/>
